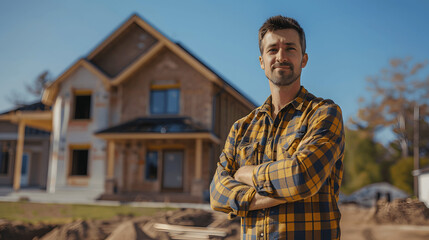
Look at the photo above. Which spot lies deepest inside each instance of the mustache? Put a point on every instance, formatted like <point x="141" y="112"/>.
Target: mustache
<point x="282" y="64"/>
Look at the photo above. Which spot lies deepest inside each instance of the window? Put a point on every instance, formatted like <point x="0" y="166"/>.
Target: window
<point x="151" y="171"/>
<point x="164" y="101"/>
<point x="4" y="159"/>
<point x="82" y="106"/>
<point x="79" y="164"/>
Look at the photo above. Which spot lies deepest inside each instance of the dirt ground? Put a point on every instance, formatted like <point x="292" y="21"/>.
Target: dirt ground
<point x="393" y="221"/>
<point x="388" y="222"/>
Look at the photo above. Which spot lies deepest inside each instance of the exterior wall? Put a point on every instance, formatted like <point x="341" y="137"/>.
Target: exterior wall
<point x="195" y="90"/>
<point x="68" y="131"/>
<point x="38" y="150"/>
<point x="8" y="130"/>
<point x="424" y="188"/>
<point x="7" y="179"/>
<point x="115" y="106"/>
<point x="227" y="110"/>
<point x="126" y="48"/>
<point x="8" y="137"/>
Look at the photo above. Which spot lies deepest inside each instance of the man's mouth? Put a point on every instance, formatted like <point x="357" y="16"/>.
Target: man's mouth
<point x="282" y="66"/>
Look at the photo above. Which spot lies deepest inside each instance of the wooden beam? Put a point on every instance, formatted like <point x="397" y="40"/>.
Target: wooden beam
<point x="152" y="136"/>
<point x="187" y="232"/>
<point x="49" y="94"/>
<point x="198" y="158"/>
<point x="111" y="160"/>
<point x="43" y="125"/>
<point x="18" y="159"/>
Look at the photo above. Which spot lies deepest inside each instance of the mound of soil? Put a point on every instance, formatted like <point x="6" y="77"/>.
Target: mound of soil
<point x="23" y="231"/>
<point x="86" y="229"/>
<point x="402" y="211"/>
<point x="122" y="227"/>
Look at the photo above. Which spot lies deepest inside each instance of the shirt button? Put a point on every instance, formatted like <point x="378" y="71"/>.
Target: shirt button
<point x="262" y="235"/>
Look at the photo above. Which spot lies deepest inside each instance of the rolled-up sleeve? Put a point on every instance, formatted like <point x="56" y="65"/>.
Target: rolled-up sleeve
<point x="302" y="174"/>
<point x="226" y="194"/>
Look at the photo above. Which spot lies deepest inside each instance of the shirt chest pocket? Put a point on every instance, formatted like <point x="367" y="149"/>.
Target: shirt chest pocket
<point x="248" y="154"/>
<point x="288" y="145"/>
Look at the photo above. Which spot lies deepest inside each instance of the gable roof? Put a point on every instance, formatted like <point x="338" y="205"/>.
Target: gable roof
<point x="51" y="91"/>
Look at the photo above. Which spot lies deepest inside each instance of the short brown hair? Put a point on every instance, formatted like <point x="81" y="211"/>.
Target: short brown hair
<point x="280" y="22"/>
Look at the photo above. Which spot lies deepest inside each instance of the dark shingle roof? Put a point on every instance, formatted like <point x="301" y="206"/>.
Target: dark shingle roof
<point x="38" y="106"/>
<point x="156" y="125"/>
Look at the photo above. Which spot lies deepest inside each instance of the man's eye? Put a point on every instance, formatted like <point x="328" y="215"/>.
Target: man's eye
<point x="291" y="48"/>
<point x="272" y="50"/>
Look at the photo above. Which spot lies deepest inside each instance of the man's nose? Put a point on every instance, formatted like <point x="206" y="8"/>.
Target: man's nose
<point x="281" y="56"/>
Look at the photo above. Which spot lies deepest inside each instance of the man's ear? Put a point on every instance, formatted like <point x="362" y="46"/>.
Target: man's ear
<point x="304" y="60"/>
<point x="261" y="61"/>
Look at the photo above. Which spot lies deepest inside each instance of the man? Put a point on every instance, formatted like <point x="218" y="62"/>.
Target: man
<point x="282" y="165"/>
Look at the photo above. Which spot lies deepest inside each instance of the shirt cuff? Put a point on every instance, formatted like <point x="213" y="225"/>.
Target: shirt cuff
<point x="241" y="208"/>
<point x="261" y="179"/>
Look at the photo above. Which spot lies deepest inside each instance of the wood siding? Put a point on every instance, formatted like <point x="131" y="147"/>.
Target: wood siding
<point x="131" y="44"/>
<point x="227" y="110"/>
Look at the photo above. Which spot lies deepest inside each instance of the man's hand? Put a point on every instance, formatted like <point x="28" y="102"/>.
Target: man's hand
<point x="245" y="174"/>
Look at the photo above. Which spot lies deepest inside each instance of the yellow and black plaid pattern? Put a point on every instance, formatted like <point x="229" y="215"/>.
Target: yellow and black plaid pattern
<point x="299" y="158"/>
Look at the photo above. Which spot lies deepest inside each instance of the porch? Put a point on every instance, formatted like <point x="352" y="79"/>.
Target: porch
<point x="158" y="159"/>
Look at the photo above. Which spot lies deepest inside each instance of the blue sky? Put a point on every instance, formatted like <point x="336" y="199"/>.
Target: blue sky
<point x="347" y="41"/>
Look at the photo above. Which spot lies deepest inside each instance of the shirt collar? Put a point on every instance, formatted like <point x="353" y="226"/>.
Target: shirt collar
<point x="297" y="103"/>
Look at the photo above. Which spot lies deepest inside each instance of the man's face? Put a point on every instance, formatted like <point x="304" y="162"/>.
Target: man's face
<point x="282" y="57"/>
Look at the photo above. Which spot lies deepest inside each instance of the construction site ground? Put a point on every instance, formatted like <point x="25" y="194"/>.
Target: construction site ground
<point x="398" y="220"/>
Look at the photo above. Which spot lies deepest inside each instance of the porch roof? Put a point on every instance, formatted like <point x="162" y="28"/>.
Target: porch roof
<point x="156" y="125"/>
<point x="37" y="106"/>
<point x="157" y="128"/>
<point x="37" y="116"/>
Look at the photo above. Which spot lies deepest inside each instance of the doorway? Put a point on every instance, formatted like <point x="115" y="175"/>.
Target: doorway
<point x="172" y="175"/>
<point x="25" y="170"/>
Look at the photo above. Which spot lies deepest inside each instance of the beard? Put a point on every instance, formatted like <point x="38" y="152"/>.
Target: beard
<point x="281" y="77"/>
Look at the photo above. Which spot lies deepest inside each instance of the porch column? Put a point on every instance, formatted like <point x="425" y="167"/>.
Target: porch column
<point x="18" y="158"/>
<point x="197" y="185"/>
<point x="110" y="178"/>
<point x="198" y="158"/>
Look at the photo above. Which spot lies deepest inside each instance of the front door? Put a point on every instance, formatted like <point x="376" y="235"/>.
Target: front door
<point x="172" y="170"/>
<point x="25" y="169"/>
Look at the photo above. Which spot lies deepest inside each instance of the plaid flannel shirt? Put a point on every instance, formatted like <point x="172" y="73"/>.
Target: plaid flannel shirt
<point x="299" y="158"/>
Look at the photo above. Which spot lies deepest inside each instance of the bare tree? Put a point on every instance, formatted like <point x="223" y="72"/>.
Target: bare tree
<point x="34" y="89"/>
<point x="394" y="94"/>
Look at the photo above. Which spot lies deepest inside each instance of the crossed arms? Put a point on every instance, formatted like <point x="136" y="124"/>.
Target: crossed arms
<point x="237" y="190"/>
